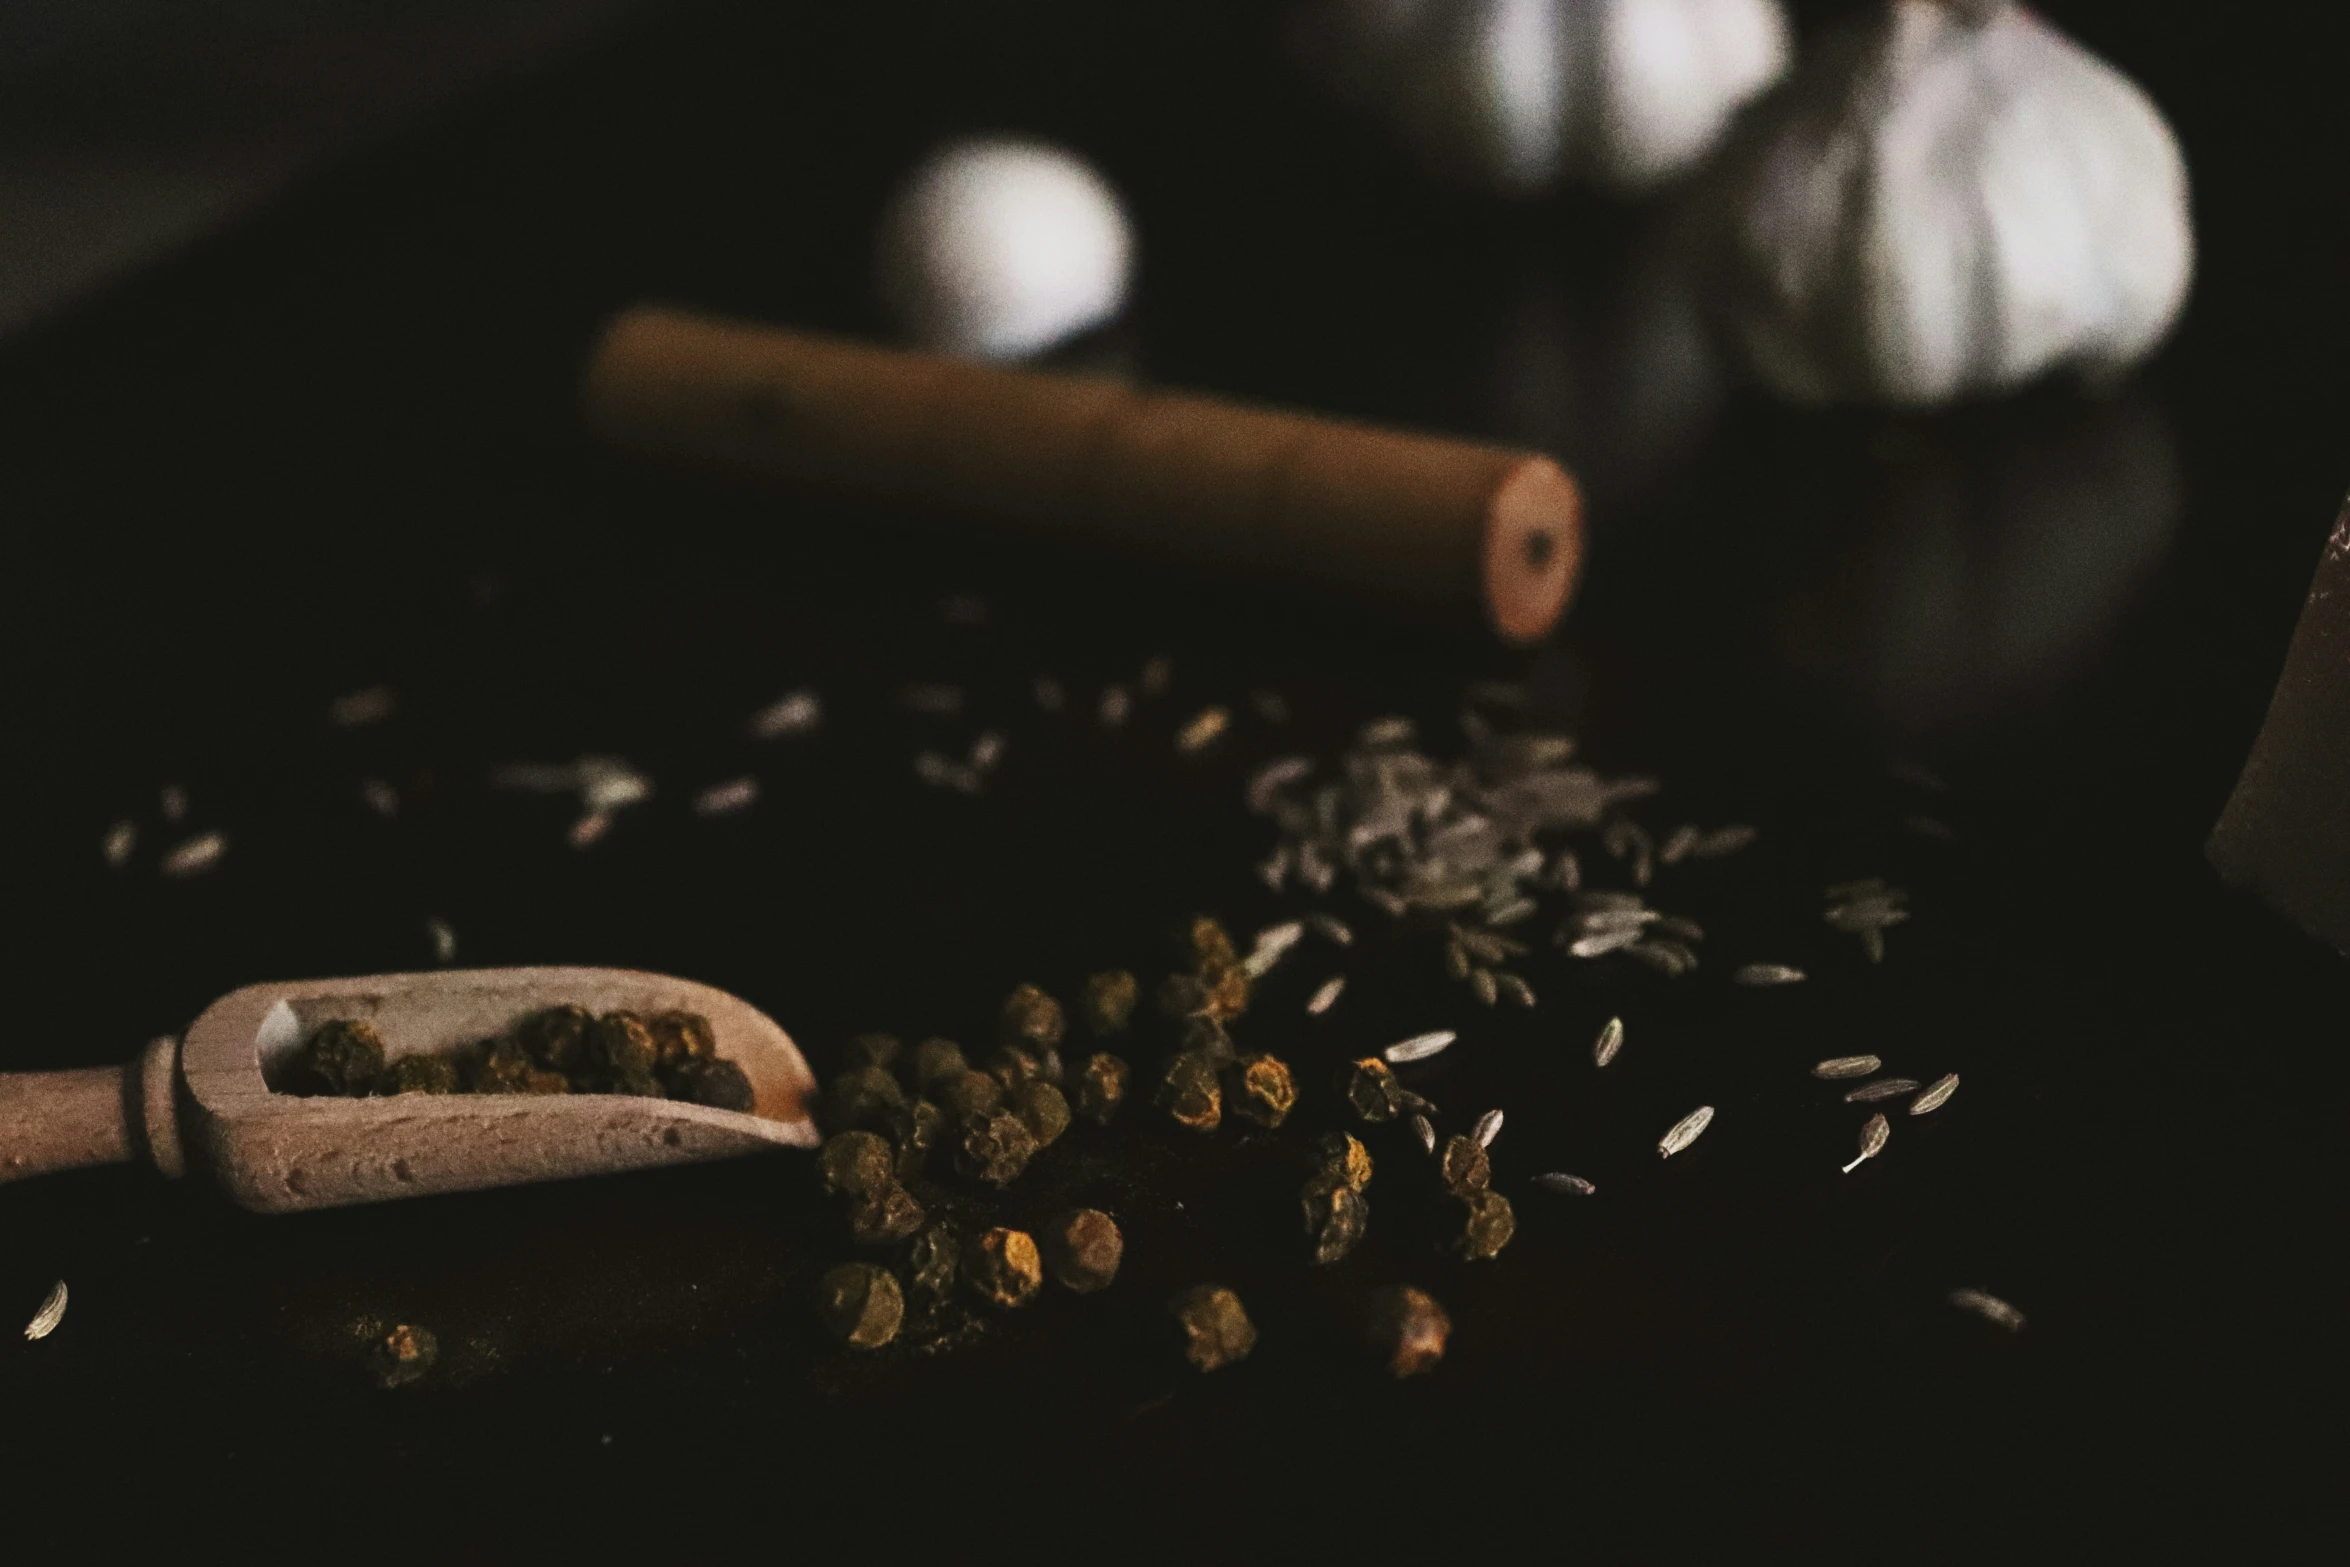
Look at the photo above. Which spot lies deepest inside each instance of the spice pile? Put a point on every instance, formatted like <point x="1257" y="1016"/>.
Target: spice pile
<point x="561" y="1050"/>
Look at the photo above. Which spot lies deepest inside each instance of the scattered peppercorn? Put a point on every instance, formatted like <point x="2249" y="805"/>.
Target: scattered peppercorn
<point x="860" y="1305"/>
<point x="931" y="1263"/>
<point x="1205" y="944"/>
<point x="346" y="1057"/>
<point x="885" y="1216"/>
<point x="403" y="1355"/>
<point x="1012" y="1066"/>
<point x="1227" y="990"/>
<point x="1032" y="1018"/>
<point x="1083" y="1249"/>
<point x="1406" y="1329"/>
<point x="1189" y="1093"/>
<point x="1182" y="996"/>
<point x="862" y="1097"/>
<point x="1261" y="1090"/>
<point x="916" y="1129"/>
<point x="856" y="1165"/>
<point x="969" y="1093"/>
<point x="935" y="1062"/>
<point x="1100" y="1087"/>
<point x="1003" y="1267"/>
<point x="1464" y="1166"/>
<point x="994" y="1149"/>
<point x="1487" y="1223"/>
<point x="1371" y="1091"/>
<point x="1215" y="1328"/>
<point x="424" y="1074"/>
<point x="1206" y="1036"/>
<point x="620" y="1047"/>
<point x="1042" y="1108"/>
<point x="1107" y="1003"/>
<point x="1346" y="1155"/>
<point x="1336" y="1214"/>
<point x="881" y="1050"/>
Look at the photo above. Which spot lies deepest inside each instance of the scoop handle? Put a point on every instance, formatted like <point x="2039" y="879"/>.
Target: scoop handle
<point x="72" y="1120"/>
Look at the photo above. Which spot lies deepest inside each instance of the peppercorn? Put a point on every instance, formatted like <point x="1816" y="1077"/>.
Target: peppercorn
<point x="1042" y="1109"/>
<point x="1261" y="1090"/>
<point x="994" y="1149"/>
<point x="1182" y="996"/>
<point x="1371" y="1091"/>
<point x="890" y="1214"/>
<point x="642" y="1085"/>
<point x="915" y="1129"/>
<point x="722" y="1085"/>
<point x="1464" y="1166"/>
<point x="1083" y="1249"/>
<point x="860" y="1304"/>
<point x="1486" y="1225"/>
<point x="423" y="1074"/>
<point x="1188" y="1092"/>
<point x="1207" y="1037"/>
<point x="881" y="1050"/>
<point x="1347" y="1156"/>
<point x="1227" y="990"/>
<point x="861" y="1097"/>
<point x="1003" y="1267"/>
<point x="346" y="1057"/>
<point x="1336" y="1214"/>
<point x="1215" y="1328"/>
<point x="1405" y="1329"/>
<point x="679" y="1037"/>
<point x="557" y="1037"/>
<point x="620" y="1046"/>
<point x="931" y="1261"/>
<point x="1204" y="944"/>
<point x="403" y="1355"/>
<point x="1012" y="1066"/>
<point x="1107" y="1003"/>
<point x="936" y="1061"/>
<point x="1032" y="1018"/>
<point x="855" y="1165"/>
<point x="1101" y="1087"/>
<point x="503" y="1068"/>
<point x="968" y="1094"/>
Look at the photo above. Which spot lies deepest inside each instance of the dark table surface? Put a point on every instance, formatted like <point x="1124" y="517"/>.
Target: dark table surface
<point x="334" y="449"/>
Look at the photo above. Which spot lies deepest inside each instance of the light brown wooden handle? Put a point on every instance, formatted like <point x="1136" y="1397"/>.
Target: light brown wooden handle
<point x="1414" y="521"/>
<point x="51" y="1121"/>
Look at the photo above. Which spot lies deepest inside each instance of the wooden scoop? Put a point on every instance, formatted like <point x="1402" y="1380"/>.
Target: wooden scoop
<point x="204" y="1104"/>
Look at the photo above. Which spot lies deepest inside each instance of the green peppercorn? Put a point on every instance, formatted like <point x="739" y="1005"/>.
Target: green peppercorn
<point x="1206" y="1036"/>
<point x="1083" y="1248"/>
<point x="860" y="1305"/>
<point x="722" y="1085"/>
<point x="1486" y="1224"/>
<point x="1371" y="1091"/>
<point x="1107" y="1003"/>
<point x="881" y="1050"/>
<point x="424" y="1074"/>
<point x="1042" y="1109"/>
<point x="557" y="1037"/>
<point x="1405" y="1329"/>
<point x="679" y="1037"/>
<point x="346" y="1057"/>
<point x="1464" y="1166"/>
<point x="1101" y="1087"/>
<point x="916" y="1129"/>
<point x="994" y="1149"/>
<point x="1189" y="1093"/>
<point x="1003" y="1267"/>
<point x="1347" y="1156"/>
<point x="620" y="1046"/>
<point x="1215" y="1330"/>
<point x="1261" y="1090"/>
<point x="931" y="1259"/>
<point x="1031" y="1018"/>
<point x="403" y="1355"/>
<point x="856" y="1165"/>
<point x="935" y="1062"/>
<point x="969" y="1094"/>
<point x="885" y="1217"/>
<point x="1336" y="1214"/>
<point x="861" y="1097"/>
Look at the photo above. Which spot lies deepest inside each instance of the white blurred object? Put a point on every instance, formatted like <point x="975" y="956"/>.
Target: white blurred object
<point x="1950" y="199"/>
<point x="1521" y="95"/>
<point x="1000" y="248"/>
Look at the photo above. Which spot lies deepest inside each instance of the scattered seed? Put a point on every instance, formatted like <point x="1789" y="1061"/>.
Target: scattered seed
<point x="1267" y="782"/>
<point x="946" y="772"/>
<point x="1685" y="1131"/>
<point x="45" y="1320"/>
<point x="1678" y="844"/>
<point x="1201" y="732"/>
<point x="1325" y="998"/>
<point x="1882" y="1088"/>
<point x="1610" y="1040"/>
<point x="588" y="829"/>
<point x="1456" y="960"/>
<point x="1989" y="1307"/>
<point x="1488" y="1127"/>
<point x="1117" y="706"/>
<point x="723" y="798"/>
<point x="1564" y="1184"/>
<point x="1872" y="1142"/>
<point x="1384" y="733"/>
<point x="1723" y="841"/>
<point x="1604" y="942"/>
<point x="1846" y="1066"/>
<point x="371" y="706"/>
<point x="1270" y="706"/>
<point x="381" y="797"/>
<point x="1517" y="990"/>
<point x="1937" y="1095"/>
<point x="174" y="800"/>
<point x="196" y="855"/>
<point x="443" y="937"/>
<point x="1510" y="911"/>
<point x="120" y="840"/>
<point x="1332" y="929"/>
<point x="1425" y="1130"/>
<point x="1158" y="673"/>
<point x="937" y="699"/>
<point x="1566" y="872"/>
<point x="987" y="750"/>
<point x="1767" y="974"/>
<point x="1051" y="695"/>
<point x="1484" y="986"/>
<point x="795" y="714"/>
<point x="1419" y="1047"/>
<point x="1272" y="943"/>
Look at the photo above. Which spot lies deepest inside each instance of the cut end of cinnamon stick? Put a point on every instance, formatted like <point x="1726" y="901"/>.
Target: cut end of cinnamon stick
<point x="1533" y="550"/>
